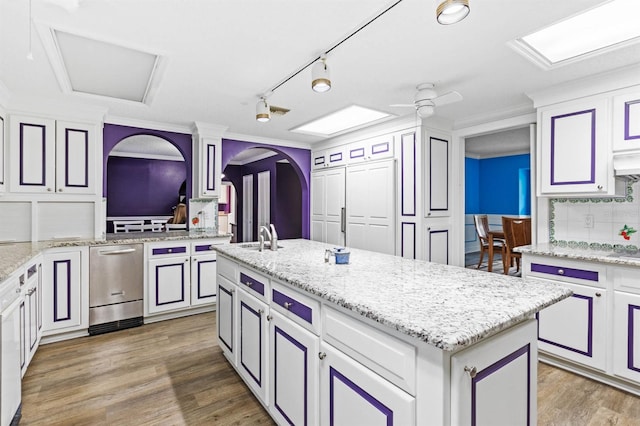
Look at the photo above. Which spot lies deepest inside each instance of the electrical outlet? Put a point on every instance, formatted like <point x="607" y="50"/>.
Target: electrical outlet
<point x="588" y="221"/>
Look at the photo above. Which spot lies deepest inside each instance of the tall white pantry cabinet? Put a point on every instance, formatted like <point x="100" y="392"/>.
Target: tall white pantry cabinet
<point x="388" y="192"/>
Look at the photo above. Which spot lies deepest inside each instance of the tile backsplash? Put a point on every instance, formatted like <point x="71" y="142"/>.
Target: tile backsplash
<point x="203" y="215"/>
<point x="597" y="223"/>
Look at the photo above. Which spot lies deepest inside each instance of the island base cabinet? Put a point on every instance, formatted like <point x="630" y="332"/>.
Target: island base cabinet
<point x="626" y="335"/>
<point x="351" y="394"/>
<point x="494" y="382"/>
<point x="253" y="339"/>
<point x="226" y="318"/>
<point x="293" y="391"/>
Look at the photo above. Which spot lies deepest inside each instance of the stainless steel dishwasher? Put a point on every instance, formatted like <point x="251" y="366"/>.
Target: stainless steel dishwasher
<point x="115" y="287"/>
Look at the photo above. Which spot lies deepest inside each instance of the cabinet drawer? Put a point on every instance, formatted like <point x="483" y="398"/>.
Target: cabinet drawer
<point x="254" y="283"/>
<point x="392" y="358"/>
<point x="203" y="247"/>
<point x="296" y="306"/>
<point x="227" y="268"/>
<point x="567" y="271"/>
<point x="626" y="279"/>
<point x="168" y="250"/>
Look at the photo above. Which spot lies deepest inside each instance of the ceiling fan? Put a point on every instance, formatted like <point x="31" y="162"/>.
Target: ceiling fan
<point x="426" y="99"/>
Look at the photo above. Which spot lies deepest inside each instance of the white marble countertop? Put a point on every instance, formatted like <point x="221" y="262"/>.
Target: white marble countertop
<point x="446" y="306"/>
<point x="14" y="255"/>
<point x="621" y="257"/>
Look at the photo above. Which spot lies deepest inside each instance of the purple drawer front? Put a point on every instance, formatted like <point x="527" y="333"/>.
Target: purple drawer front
<point x="300" y="309"/>
<point x="169" y="250"/>
<point x="565" y="272"/>
<point x="204" y="247"/>
<point x="252" y="283"/>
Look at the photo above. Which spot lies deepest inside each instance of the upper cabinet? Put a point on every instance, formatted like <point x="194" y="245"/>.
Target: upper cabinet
<point x="52" y="156"/>
<point x="207" y="162"/>
<point x="626" y="121"/>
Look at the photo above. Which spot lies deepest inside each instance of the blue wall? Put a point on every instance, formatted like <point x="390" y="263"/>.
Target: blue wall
<point x="492" y="185"/>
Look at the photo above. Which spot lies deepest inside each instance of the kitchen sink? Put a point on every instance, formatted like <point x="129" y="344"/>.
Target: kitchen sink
<point x="256" y="246"/>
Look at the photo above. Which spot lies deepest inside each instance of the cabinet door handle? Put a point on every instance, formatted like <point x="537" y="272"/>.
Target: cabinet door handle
<point x="169" y="250"/>
<point x="60" y="190"/>
<point x="288" y="305"/>
<point x="31" y="291"/>
<point x="49" y="189"/>
<point x="560" y="271"/>
<point x="118" y="293"/>
<point x="471" y="371"/>
<point x="322" y="355"/>
<point x="260" y="312"/>
<point x="269" y="317"/>
<point x="248" y="283"/>
<point x="598" y="294"/>
<point x="187" y="259"/>
<point x="599" y="187"/>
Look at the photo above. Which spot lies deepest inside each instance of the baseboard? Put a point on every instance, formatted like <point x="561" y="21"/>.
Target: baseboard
<point x="179" y="314"/>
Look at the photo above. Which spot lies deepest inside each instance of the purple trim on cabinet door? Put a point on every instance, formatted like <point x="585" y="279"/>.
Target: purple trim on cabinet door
<point x="200" y="295"/>
<point x="633" y="309"/>
<point x="211" y="167"/>
<point x="380" y="148"/>
<point x="204" y="247"/>
<point x="23" y="329"/>
<point x="254" y="284"/>
<point x="438" y="232"/>
<point x="589" y="352"/>
<point x="230" y="344"/>
<point x="317" y="161"/>
<point x="258" y="380"/>
<point x="413" y="225"/>
<point x="593" y="147"/>
<point x="33" y="309"/>
<point x="402" y="182"/>
<point x="567" y="272"/>
<point x="168" y="250"/>
<point x="335" y="157"/>
<point x="23" y="155"/>
<point x="85" y="184"/>
<point x="356" y="153"/>
<point x="495" y="367"/>
<point x="304" y="349"/>
<point x="67" y="264"/>
<point x="431" y="208"/>
<point x="297" y="308"/>
<point x="335" y="374"/>
<point x="182" y="285"/>
<point x="627" y="109"/>
<point x="1" y="150"/>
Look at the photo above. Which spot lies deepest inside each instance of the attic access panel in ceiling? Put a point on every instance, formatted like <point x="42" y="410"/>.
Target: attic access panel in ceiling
<point x="104" y="69"/>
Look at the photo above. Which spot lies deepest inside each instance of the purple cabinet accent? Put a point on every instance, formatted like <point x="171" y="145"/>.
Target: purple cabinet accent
<point x="58" y="265"/>
<point x="224" y="292"/>
<point x="255" y="375"/>
<point x="627" y="119"/>
<point x="317" y="161"/>
<point x="408" y="230"/>
<point x="182" y="284"/>
<point x="631" y="365"/>
<point x="589" y="351"/>
<point x="565" y="272"/>
<point x="356" y="153"/>
<point x="408" y="181"/>
<point x="23" y="330"/>
<point x="211" y="167"/>
<point x="200" y="294"/>
<point x="433" y="204"/>
<point x="432" y="246"/>
<point x="252" y="283"/>
<point x="1" y="151"/>
<point x="292" y="305"/>
<point x="335" y="157"/>
<point x="204" y="247"/>
<point x="379" y="148"/>
<point x="335" y="375"/>
<point x="496" y="366"/>
<point x="24" y="152"/>
<point x="84" y="183"/>
<point x="592" y="179"/>
<point x="305" y="352"/>
<point x="168" y="250"/>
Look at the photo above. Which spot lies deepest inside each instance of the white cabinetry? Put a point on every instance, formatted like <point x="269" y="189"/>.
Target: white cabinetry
<point x="207" y="162"/>
<point x="626" y="121"/>
<point x="31" y="312"/>
<point x="52" y="156"/>
<point x="253" y="341"/>
<point x="626" y="323"/>
<point x="437" y="154"/>
<point x="65" y="291"/>
<point x="226" y="318"/>
<point x="3" y="147"/>
<point x="169" y="285"/>
<point x="328" y="206"/>
<point x="203" y="273"/>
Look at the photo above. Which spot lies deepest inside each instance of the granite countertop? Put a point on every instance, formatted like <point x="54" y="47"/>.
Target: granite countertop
<point x="618" y="257"/>
<point x="14" y="255"/>
<point x="448" y="307"/>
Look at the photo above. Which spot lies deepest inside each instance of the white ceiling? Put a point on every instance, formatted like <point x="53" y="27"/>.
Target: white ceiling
<point x="499" y="144"/>
<point x="219" y="56"/>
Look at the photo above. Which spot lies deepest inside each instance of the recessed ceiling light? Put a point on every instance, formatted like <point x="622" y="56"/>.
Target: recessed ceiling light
<point x="339" y="121"/>
<point x="609" y="26"/>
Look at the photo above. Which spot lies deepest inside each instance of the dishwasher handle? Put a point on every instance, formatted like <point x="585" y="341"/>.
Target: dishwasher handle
<point x="121" y="251"/>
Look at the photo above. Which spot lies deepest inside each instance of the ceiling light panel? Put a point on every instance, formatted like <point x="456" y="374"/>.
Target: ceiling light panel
<point x="345" y="119"/>
<point x="598" y="30"/>
<point x="105" y="69"/>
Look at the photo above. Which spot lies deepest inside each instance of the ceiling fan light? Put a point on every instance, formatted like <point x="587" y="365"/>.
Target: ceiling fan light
<point x="262" y="111"/>
<point x="320" y="79"/>
<point x="452" y="11"/>
<point x="426" y="111"/>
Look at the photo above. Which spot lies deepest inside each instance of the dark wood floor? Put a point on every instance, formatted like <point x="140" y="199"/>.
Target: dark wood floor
<point x="471" y="261"/>
<point x="173" y="373"/>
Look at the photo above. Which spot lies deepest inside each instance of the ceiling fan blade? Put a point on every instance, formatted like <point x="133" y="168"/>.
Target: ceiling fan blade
<point x="403" y="105"/>
<point x="447" y="98"/>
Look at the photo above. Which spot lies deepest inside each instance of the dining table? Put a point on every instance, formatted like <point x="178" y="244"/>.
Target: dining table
<point x="491" y="235"/>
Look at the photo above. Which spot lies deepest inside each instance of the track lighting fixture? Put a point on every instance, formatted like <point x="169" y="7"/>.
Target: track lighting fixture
<point x="320" y="79"/>
<point x="262" y="110"/>
<point x="452" y="11"/>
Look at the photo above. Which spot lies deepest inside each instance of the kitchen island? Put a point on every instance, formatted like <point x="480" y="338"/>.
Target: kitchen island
<point x="382" y="340"/>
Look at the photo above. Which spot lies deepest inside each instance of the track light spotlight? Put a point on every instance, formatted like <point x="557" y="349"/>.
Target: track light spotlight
<point x="320" y="79"/>
<point x="452" y="11"/>
<point x="262" y="110"/>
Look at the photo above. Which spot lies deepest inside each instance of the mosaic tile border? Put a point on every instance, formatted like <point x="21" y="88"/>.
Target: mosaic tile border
<point x="583" y="244"/>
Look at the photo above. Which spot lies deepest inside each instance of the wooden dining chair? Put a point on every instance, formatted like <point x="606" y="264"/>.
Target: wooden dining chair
<point x="517" y="232"/>
<point x="482" y="231"/>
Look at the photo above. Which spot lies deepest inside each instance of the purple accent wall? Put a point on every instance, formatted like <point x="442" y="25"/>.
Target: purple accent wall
<point x="299" y="158"/>
<point x="288" y="206"/>
<point x="143" y="187"/>
<point x="67" y="265"/>
<point x="304" y="350"/>
<point x="593" y="146"/>
<point x="114" y="133"/>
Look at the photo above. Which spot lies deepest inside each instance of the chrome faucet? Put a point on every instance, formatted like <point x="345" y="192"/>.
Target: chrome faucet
<point x="271" y="236"/>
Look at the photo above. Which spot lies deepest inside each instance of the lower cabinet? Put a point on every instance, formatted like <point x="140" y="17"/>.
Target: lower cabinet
<point x="293" y="391"/>
<point x="169" y="284"/>
<point x="626" y="335"/>
<point x="253" y="342"/>
<point x="30" y="314"/>
<point x="203" y="279"/>
<point x="226" y="318"/>
<point x="351" y="394"/>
